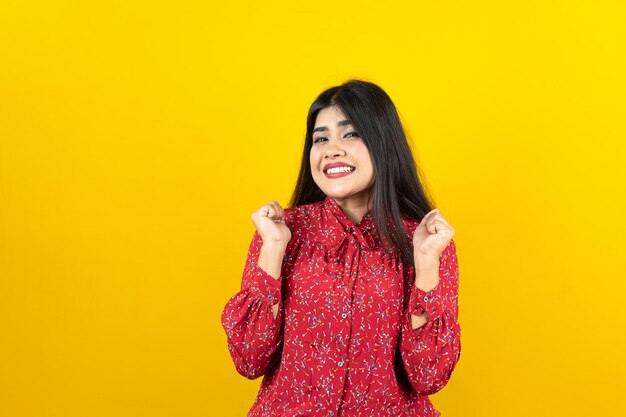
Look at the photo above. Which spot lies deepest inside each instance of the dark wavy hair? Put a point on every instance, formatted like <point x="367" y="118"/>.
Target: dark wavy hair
<point x="397" y="191"/>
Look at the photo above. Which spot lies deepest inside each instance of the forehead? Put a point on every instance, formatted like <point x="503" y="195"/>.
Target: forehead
<point x="329" y="116"/>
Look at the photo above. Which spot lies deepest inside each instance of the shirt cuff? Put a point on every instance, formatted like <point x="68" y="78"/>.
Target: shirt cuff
<point x="265" y="286"/>
<point x="430" y="302"/>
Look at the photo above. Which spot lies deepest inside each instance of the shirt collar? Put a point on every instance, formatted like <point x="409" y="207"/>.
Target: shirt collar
<point x="340" y="228"/>
<point x="366" y="223"/>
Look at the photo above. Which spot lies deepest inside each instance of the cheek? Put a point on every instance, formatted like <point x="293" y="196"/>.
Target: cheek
<point x="365" y="158"/>
<point x="314" y="159"/>
<point x="314" y="162"/>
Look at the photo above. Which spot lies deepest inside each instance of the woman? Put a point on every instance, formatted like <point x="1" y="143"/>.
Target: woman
<point x="348" y="303"/>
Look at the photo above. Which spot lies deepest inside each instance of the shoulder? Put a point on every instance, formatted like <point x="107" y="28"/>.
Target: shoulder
<point x="409" y="226"/>
<point x="303" y="217"/>
<point x="298" y="214"/>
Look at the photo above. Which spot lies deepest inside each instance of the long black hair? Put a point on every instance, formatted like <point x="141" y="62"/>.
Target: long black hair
<point x="397" y="190"/>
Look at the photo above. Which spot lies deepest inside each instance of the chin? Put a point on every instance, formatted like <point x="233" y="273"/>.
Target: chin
<point x="343" y="195"/>
<point x="337" y="192"/>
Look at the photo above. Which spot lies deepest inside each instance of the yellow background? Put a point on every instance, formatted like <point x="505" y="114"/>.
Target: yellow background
<point x="138" y="137"/>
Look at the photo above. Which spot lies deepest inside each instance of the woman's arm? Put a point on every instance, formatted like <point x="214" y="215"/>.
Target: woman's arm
<point x="430" y="344"/>
<point x="271" y="260"/>
<point x="252" y="318"/>
<point x="426" y="279"/>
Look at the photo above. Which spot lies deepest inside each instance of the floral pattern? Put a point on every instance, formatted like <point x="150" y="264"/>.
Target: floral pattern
<point x="342" y="343"/>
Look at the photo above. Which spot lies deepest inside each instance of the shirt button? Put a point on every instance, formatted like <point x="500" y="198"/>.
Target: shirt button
<point x="425" y="299"/>
<point x="344" y="315"/>
<point x="340" y="364"/>
<point x="270" y="297"/>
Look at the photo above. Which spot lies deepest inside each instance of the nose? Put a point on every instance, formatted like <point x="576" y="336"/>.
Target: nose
<point x="334" y="150"/>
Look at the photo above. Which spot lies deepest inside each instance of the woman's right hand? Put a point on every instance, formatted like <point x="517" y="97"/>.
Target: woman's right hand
<point x="269" y="221"/>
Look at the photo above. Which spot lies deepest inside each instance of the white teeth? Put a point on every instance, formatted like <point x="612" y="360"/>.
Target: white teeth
<point x="339" y="169"/>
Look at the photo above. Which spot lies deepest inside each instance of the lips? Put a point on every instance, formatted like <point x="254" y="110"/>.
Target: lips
<point x="337" y="168"/>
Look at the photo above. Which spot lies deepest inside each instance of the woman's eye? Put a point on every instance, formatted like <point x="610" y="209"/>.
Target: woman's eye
<point x="319" y="139"/>
<point x="351" y="134"/>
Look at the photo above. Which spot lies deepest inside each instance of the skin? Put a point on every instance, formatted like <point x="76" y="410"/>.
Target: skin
<point x="270" y="224"/>
<point x="341" y="143"/>
<point x="430" y="238"/>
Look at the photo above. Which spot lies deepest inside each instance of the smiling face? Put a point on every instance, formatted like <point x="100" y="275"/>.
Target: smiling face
<point x="341" y="164"/>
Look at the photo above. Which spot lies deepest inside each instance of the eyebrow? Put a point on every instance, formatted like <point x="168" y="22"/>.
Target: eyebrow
<point x="341" y="123"/>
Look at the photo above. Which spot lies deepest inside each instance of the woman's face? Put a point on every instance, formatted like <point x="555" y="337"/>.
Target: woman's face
<point x="341" y="165"/>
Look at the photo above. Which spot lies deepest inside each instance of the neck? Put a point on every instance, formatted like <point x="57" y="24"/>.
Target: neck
<point x="355" y="207"/>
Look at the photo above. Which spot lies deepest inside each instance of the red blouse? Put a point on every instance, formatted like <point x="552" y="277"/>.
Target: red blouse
<point x="342" y="343"/>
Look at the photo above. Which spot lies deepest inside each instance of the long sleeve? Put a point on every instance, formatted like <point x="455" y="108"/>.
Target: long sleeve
<point x="431" y="352"/>
<point x="254" y="335"/>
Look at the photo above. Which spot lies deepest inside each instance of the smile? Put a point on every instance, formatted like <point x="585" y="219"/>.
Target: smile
<point x="339" y="169"/>
<point x="338" y="172"/>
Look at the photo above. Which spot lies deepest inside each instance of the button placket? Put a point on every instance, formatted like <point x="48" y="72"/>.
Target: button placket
<point x="343" y="303"/>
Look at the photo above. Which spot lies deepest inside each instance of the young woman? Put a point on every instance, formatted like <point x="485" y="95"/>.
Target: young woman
<point x="348" y="303"/>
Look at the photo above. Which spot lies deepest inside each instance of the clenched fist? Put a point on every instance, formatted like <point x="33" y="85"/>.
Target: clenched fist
<point x="430" y="238"/>
<point x="269" y="221"/>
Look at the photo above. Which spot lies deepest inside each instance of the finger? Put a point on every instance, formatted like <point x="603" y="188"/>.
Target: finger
<point x="439" y="227"/>
<point x="436" y="214"/>
<point x="279" y="210"/>
<point x="440" y="218"/>
<point x="445" y="224"/>
<point x="427" y="216"/>
<point x="272" y="210"/>
<point x="431" y="225"/>
<point x="281" y="213"/>
<point x="435" y="225"/>
<point x="263" y="210"/>
<point x="269" y="211"/>
<point x="260" y="213"/>
<point x="276" y="212"/>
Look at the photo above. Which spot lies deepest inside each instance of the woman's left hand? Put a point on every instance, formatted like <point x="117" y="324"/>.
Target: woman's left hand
<point x="430" y="238"/>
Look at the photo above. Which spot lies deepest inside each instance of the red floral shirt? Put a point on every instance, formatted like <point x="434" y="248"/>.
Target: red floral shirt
<point x="342" y="343"/>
